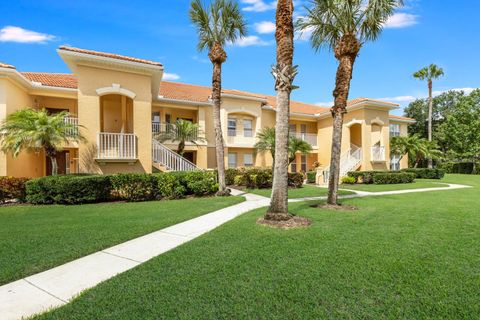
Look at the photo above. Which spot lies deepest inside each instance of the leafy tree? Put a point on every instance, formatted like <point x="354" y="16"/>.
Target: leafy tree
<point x="220" y="23"/>
<point x="344" y="26"/>
<point x="429" y="73"/>
<point x="35" y="130"/>
<point x="415" y="147"/>
<point x="266" y="143"/>
<point x="462" y="128"/>
<point x="284" y="73"/>
<point x="184" y="131"/>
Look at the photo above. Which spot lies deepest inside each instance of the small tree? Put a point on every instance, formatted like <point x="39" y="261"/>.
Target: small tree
<point x="184" y="131"/>
<point x="429" y="73"/>
<point x="297" y="145"/>
<point x="35" y="130"/>
<point x="416" y="147"/>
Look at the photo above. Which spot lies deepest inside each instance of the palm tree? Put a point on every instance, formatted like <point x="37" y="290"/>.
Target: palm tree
<point x="35" y="130"/>
<point x="344" y="26"/>
<point x="429" y="73"/>
<point x="266" y="143"/>
<point x="416" y="147"/>
<point x="297" y="145"/>
<point x="284" y="73"/>
<point x="183" y="131"/>
<point x="221" y="23"/>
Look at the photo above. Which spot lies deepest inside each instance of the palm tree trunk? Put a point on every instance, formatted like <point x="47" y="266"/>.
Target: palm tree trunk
<point x="53" y="160"/>
<point x="217" y="102"/>
<point x="284" y="73"/>
<point x="346" y="52"/>
<point x="181" y="148"/>
<point x="430" y="117"/>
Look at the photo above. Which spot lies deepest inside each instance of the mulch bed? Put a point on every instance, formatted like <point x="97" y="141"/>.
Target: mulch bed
<point x="294" y="222"/>
<point x="340" y="207"/>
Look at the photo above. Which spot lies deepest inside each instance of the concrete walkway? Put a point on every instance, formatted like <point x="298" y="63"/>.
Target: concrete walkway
<point x="58" y="286"/>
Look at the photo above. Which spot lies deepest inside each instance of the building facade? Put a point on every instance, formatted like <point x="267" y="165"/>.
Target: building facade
<point x="121" y="103"/>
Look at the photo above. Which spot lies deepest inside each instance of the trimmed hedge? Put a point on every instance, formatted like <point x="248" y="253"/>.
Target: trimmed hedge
<point x="69" y="189"/>
<point x="312" y="177"/>
<point x="259" y="178"/>
<point x="460" y="167"/>
<point x="348" y="180"/>
<point x="77" y="189"/>
<point x="13" y="188"/>
<point x="425" y="173"/>
<point x="365" y="177"/>
<point x="393" y="178"/>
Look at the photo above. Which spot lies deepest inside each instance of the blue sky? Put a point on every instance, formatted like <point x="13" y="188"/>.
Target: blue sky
<point x="425" y="31"/>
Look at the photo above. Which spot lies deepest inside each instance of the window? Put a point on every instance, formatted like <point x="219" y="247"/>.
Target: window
<point x="395" y="163"/>
<point x="156" y="117"/>
<point x="394" y="130"/>
<point x="304" y="163"/>
<point x="293" y="129"/>
<point x="303" y="131"/>
<point x="232" y="127"/>
<point x="248" y="160"/>
<point x="232" y="160"/>
<point x="168" y="118"/>
<point x="67" y="163"/>
<point x="293" y="166"/>
<point x="248" y="128"/>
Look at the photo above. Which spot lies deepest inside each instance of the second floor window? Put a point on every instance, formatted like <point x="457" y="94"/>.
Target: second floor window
<point x="248" y="128"/>
<point x="232" y="127"/>
<point x="394" y="130"/>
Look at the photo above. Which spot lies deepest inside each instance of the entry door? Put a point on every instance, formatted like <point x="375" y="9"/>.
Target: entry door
<point x="62" y="162"/>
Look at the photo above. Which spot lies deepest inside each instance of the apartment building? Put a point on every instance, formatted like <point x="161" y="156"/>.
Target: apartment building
<point x="121" y="103"/>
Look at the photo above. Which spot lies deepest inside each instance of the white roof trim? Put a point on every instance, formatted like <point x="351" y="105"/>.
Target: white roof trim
<point x="238" y="96"/>
<point x="180" y="101"/>
<point x="116" y="89"/>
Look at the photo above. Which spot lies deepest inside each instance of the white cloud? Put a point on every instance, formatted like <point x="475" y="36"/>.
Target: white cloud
<point x="325" y="104"/>
<point x="259" y="5"/>
<point x="401" y="20"/>
<point x="265" y="27"/>
<point x="20" y="35"/>
<point x="170" y="76"/>
<point x="399" y="99"/>
<point x="252" y="41"/>
<point x="465" y="91"/>
<point x="408" y="99"/>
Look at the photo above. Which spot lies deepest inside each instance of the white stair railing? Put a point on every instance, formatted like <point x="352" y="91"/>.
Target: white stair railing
<point x="169" y="159"/>
<point x="349" y="161"/>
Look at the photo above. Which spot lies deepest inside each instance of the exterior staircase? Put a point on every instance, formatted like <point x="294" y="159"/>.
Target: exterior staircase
<point x="350" y="161"/>
<point x="165" y="159"/>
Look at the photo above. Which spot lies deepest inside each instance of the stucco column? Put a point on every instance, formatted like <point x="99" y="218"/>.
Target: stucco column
<point x="89" y="118"/>
<point x="142" y="127"/>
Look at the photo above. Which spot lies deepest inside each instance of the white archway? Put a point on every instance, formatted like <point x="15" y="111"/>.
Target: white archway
<point x="116" y="89"/>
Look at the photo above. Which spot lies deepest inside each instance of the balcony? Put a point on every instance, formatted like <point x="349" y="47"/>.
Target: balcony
<point x="73" y="121"/>
<point x="116" y="147"/>
<point x="160" y="127"/>
<point x="378" y="154"/>
<point x="311" y="138"/>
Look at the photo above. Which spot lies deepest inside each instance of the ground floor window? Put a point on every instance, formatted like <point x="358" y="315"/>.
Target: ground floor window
<point x="303" y="163"/>
<point x="395" y="163"/>
<point x="248" y="160"/>
<point x="232" y="160"/>
<point x="293" y="166"/>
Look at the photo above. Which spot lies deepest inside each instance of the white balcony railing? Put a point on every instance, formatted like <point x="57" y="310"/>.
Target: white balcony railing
<point x="73" y="121"/>
<point x="116" y="146"/>
<point x="378" y="154"/>
<point x="160" y="127"/>
<point x="308" y="137"/>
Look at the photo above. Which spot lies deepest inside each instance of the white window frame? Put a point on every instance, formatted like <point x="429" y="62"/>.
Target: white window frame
<point x="250" y="163"/>
<point x="230" y="154"/>
<point x="232" y="130"/>
<point x="394" y="130"/>
<point x="248" y="129"/>
<point x="395" y="162"/>
<point x="303" y="163"/>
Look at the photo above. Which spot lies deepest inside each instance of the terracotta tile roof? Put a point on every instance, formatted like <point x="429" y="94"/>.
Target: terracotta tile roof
<point x="299" y="107"/>
<point x="8" y="66"/>
<point x="359" y="100"/>
<point x="61" y="80"/>
<point x="394" y="117"/>
<point x="110" y="55"/>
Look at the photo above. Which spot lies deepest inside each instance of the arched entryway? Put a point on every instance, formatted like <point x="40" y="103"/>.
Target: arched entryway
<point x="356" y="135"/>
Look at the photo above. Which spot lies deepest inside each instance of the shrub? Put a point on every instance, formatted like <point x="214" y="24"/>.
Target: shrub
<point x="134" y="186"/>
<point x="12" y="188"/>
<point x="365" y="177"/>
<point x="425" y="173"/>
<point x="393" y="177"/>
<point x="348" y="180"/>
<point x="240" y="180"/>
<point x="200" y="183"/>
<point x="69" y="189"/>
<point x="230" y="175"/>
<point x="312" y="176"/>
<point x="295" y="180"/>
<point x="460" y="167"/>
<point x="169" y="186"/>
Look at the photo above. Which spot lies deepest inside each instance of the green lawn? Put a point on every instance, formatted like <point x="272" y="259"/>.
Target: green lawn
<point x="36" y="238"/>
<point x="418" y="184"/>
<point x="411" y="256"/>
<point x="305" y="192"/>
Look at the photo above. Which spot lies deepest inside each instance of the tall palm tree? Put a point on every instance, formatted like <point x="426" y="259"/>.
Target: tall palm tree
<point x="220" y="23"/>
<point x="184" y="131"/>
<point x="344" y="26"/>
<point x="284" y="73"/>
<point x="297" y="145"/>
<point x="429" y="73"/>
<point x="266" y="143"/>
<point x="35" y="130"/>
